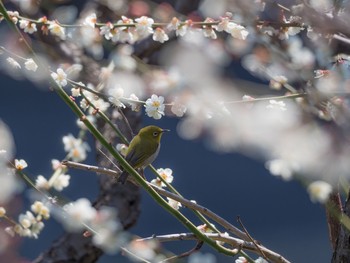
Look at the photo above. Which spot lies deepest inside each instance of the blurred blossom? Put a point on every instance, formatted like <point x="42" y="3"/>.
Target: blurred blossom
<point x="116" y="6"/>
<point x="159" y="35"/>
<point x="145" y="250"/>
<point x="60" y="77"/>
<point x="281" y="168"/>
<point x="122" y="148"/>
<point x="276" y="105"/>
<point x="81" y="124"/>
<point x="14" y="16"/>
<point x="30" y="65"/>
<point x="319" y="191"/>
<point x="108" y="232"/>
<point x="161" y="81"/>
<point x="321" y="5"/>
<point x="60" y="182"/>
<point x="301" y="56"/>
<point x="144" y="25"/>
<point x="130" y="82"/>
<point x="75" y="147"/>
<point x="241" y="260"/>
<point x="28" y="6"/>
<point x="65" y="14"/>
<point x="91" y="40"/>
<point x="116" y="93"/>
<point x="42" y="183"/>
<point x="73" y="71"/>
<point x="133" y="102"/>
<point x="106" y="30"/>
<point x="213" y="8"/>
<point x="329" y="83"/>
<point x="122" y="58"/>
<point x="178" y="109"/>
<point x="57" y="30"/>
<point x="77" y="214"/>
<point x="13" y="63"/>
<point x="27" y="26"/>
<point x="202" y="258"/>
<point x="98" y="102"/>
<point x="90" y="20"/>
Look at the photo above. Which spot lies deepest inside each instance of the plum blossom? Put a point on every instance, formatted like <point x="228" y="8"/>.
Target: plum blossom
<point x="160" y="35"/>
<point x="144" y="25"/>
<point x="155" y="107"/>
<point x="60" y="77"/>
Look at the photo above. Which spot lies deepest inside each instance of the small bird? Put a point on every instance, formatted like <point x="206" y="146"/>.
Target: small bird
<point x="143" y="149"/>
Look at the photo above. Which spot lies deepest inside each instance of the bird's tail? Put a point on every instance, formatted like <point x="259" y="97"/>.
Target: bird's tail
<point x="122" y="178"/>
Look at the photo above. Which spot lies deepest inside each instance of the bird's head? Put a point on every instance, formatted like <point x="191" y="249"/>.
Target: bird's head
<point x="152" y="133"/>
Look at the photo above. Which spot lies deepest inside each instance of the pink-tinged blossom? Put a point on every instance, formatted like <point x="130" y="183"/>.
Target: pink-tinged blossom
<point x="107" y="30"/>
<point x="91" y="20"/>
<point x="27" y="26"/>
<point x="57" y="30"/>
<point x="159" y="35"/>
<point x="144" y="25"/>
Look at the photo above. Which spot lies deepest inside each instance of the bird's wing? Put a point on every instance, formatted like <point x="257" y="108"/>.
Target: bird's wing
<point x="139" y="157"/>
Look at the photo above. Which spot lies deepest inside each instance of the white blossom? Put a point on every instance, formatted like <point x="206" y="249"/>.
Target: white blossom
<point x="20" y="164"/>
<point x="13" y="63"/>
<point x="133" y="102"/>
<point x="144" y="25"/>
<point x="166" y="174"/>
<point x="106" y="30"/>
<point x="75" y="147"/>
<point x="27" y="26"/>
<point x="90" y="20"/>
<point x="237" y="31"/>
<point x="40" y="209"/>
<point x="116" y="93"/>
<point x="178" y="109"/>
<point x="155" y="107"/>
<point x="30" y="65"/>
<point x="77" y="214"/>
<point x="57" y="30"/>
<point x="276" y="105"/>
<point x="60" y="77"/>
<point x="174" y="204"/>
<point x="279" y="167"/>
<point x="61" y="182"/>
<point x="42" y="183"/>
<point x="319" y="191"/>
<point x="160" y="35"/>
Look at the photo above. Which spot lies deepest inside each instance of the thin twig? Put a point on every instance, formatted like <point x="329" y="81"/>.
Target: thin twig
<point x="198" y="246"/>
<point x="251" y="238"/>
<point x="190" y="204"/>
<point x="235" y="242"/>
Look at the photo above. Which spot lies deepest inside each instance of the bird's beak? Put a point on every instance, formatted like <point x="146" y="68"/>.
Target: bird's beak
<point x="165" y="130"/>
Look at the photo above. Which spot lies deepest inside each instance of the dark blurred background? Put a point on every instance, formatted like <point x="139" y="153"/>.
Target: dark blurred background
<point x="277" y="213"/>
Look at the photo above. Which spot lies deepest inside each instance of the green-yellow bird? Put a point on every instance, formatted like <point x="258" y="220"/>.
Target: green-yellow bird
<point x="143" y="149"/>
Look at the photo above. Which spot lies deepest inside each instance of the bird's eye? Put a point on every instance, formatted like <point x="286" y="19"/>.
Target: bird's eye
<point x="155" y="134"/>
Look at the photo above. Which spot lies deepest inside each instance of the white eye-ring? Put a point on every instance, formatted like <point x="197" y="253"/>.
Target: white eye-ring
<point x="155" y="134"/>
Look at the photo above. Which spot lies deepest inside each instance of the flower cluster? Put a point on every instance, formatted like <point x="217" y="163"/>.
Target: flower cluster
<point x="128" y="30"/>
<point x="102" y="224"/>
<point x="30" y="223"/>
<point x="76" y="148"/>
<point x="29" y="64"/>
<point x="59" y="180"/>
